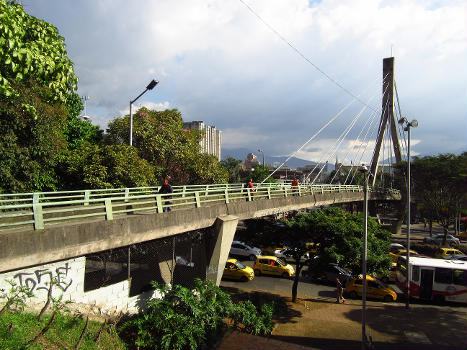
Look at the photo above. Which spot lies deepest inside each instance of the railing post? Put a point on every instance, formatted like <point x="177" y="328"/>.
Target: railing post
<point x="226" y="194"/>
<point x="127" y="194"/>
<point x="38" y="216"/>
<point x="269" y="192"/>
<point x="108" y="209"/>
<point x="184" y="190"/>
<point x="35" y="198"/>
<point x="198" y="202"/>
<point x="207" y="190"/>
<point x="249" y="194"/>
<point x="87" y="195"/>
<point x="285" y="191"/>
<point x="160" y="208"/>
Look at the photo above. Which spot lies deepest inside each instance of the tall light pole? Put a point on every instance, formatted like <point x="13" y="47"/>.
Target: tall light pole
<point x="408" y="125"/>
<point x="259" y="150"/>
<point x="149" y="87"/>
<point x="85" y="116"/>
<point x="365" y="172"/>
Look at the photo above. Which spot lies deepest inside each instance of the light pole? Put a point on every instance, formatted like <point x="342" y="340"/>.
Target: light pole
<point x="408" y="125"/>
<point x="259" y="150"/>
<point x="365" y="172"/>
<point x="85" y="116"/>
<point x="149" y="87"/>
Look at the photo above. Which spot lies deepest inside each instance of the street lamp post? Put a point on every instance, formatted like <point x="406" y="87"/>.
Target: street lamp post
<point x="365" y="172"/>
<point x="149" y="87"/>
<point x="259" y="150"/>
<point x="408" y="125"/>
<point x="85" y="115"/>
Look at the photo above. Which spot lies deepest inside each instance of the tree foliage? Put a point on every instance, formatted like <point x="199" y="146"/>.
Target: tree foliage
<point x="31" y="137"/>
<point x="440" y="186"/>
<point x="188" y="319"/>
<point x="173" y="151"/>
<point x="111" y="166"/>
<point x="233" y="166"/>
<point x="31" y="50"/>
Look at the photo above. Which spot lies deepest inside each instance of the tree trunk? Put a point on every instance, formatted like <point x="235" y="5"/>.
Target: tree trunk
<point x="295" y="281"/>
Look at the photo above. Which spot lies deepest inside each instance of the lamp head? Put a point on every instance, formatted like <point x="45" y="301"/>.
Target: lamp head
<point x="414" y="123"/>
<point x="152" y="84"/>
<point x="402" y="120"/>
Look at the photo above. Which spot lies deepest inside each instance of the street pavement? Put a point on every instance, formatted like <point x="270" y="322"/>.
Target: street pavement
<point x="320" y="323"/>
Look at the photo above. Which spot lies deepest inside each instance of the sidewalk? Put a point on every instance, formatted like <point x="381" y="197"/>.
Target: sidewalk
<point x="320" y="323"/>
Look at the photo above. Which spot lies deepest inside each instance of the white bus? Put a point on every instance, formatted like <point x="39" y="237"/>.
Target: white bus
<point x="434" y="279"/>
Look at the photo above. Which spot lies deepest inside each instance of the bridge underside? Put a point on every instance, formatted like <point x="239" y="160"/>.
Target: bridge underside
<point x="22" y="248"/>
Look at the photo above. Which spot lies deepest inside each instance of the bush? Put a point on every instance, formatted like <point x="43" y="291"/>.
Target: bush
<point x="188" y="319"/>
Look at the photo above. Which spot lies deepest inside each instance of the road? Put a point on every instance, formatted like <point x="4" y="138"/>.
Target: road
<point x="282" y="285"/>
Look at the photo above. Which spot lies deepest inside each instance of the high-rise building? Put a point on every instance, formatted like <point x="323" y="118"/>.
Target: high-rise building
<point x="212" y="140"/>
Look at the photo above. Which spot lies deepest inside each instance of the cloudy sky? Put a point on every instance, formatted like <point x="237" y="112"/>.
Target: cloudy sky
<point x="254" y="68"/>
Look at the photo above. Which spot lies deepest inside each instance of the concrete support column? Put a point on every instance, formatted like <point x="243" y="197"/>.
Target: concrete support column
<point x="225" y="227"/>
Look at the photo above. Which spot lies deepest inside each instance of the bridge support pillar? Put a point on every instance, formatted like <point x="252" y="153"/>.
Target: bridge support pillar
<point x="224" y="227"/>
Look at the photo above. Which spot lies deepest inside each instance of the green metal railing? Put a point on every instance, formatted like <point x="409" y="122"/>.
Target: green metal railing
<point x="39" y="209"/>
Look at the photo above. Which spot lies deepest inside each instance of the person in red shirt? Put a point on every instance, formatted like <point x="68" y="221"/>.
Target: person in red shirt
<point x="249" y="186"/>
<point x="295" y="186"/>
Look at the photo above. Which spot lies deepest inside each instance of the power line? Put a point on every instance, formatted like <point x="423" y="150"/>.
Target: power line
<point x="303" y="56"/>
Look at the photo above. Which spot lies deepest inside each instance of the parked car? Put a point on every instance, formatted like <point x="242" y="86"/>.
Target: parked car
<point x="241" y="249"/>
<point x="272" y="265"/>
<point x="375" y="289"/>
<point x="396" y="253"/>
<point x="438" y="239"/>
<point x="461" y="257"/>
<point x="329" y="274"/>
<point x="180" y="260"/>
<point x="234" y="269"/>
<point x="287" y="254"/>
<point x="445" y="253"/>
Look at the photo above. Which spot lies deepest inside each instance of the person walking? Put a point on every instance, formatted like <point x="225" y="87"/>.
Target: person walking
<point x="249" y="188"/>
<point x="340" y="292"/>
<point x="166" y="188"/>
<point x="295" y="186"/>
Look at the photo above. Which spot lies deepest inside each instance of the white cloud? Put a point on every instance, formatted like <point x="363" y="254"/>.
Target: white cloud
<point x="217" y="62"/>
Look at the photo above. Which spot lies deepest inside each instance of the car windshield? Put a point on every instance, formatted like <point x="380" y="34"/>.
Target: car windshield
<point x="239" y="265"/>
<point x="282" y="262"/>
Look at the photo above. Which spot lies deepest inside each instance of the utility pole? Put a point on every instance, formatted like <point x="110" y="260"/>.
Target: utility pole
<point x="387" y="117"/>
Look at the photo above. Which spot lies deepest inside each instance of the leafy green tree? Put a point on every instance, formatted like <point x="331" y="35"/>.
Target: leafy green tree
<point x="258" y="175"/>
<point x="338" y="238"/>
<point x="32" y="51"/>
<point x="233" y="166"/>
<point x="111" y="166"/>
<point x="31" y="137"/>
<point x="440" y="186"/>
<point x="160" y="139"/>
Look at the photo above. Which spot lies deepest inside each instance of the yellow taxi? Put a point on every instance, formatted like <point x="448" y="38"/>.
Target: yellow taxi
<point x="234" y="269"/>
<point x="272" y="265"/>
<point x="375" y="289"/>
<point x="396" y="253"/>
<point x="445" y="253"/>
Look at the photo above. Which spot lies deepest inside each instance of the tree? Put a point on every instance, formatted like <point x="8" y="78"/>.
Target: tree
<point x="258" y="175"/>
<point x="33" y="52"/>
<point x="337" y="236"/>
<point x="440" y="186"/>
<point x="31" y="137"/>
<point x="160" y="139"/>
<point x="233" y="166"/>
<point x="110" y="166"/>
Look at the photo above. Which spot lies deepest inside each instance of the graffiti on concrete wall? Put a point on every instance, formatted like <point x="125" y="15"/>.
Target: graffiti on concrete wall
<point x="41" y="279"/>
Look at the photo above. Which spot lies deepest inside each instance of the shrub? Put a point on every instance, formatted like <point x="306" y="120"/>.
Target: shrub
<point x="188" y="319"/>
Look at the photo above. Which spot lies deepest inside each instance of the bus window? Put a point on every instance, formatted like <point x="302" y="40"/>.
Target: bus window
<point x="443" y="276"/>
<point x="459" y="277"/>
<point x="415" y="273"/>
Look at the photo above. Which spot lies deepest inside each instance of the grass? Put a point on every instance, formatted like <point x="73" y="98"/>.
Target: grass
<point x="17" y="329"/>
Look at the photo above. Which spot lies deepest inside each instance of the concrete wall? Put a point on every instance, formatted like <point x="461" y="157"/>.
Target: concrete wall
<point x="69" y="275"/>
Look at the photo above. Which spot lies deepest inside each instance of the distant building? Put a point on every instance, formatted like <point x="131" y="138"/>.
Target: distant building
<point x="211" y="142"/>
<point x="251" y="161"/>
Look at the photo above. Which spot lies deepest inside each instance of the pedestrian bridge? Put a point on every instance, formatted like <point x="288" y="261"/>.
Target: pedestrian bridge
<point x="37" y="228"/>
